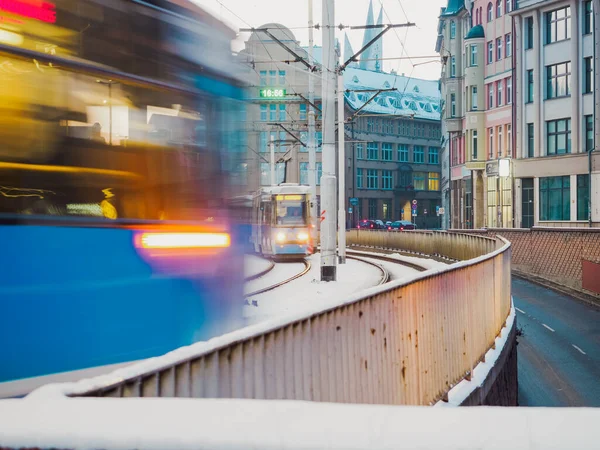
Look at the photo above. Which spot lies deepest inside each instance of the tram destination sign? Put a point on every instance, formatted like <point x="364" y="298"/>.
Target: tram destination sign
<point x="34" y="9"/>
<point x="272" y="93"/>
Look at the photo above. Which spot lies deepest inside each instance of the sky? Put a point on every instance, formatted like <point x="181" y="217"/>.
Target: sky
<point x="414" y="42"/>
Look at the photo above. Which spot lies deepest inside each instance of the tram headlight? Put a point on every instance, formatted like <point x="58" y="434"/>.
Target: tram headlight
<point x="303" y="236"/>
<point x="280" y="237"/>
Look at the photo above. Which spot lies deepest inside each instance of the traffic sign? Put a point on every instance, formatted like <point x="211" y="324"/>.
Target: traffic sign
<point x="354" y="201"/>
<point x="414" y="213"/>
<point x="414" y="202"/>
<point x="437" y="209"/>
<point x="402" y="211"/>
<point x="425" y="211"/>
<point x="441" y="211"/>
<point x="350" y="210"/>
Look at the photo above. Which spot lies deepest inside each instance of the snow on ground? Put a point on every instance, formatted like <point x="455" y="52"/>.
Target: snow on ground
<point x="254" y="265"/>
<point x="396" y="271"/>
<point x="426" y="263"/>
<point x="352" y="277"/>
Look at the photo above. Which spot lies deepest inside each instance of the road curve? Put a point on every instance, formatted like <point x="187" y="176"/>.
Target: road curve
<point x="559" y="351"/>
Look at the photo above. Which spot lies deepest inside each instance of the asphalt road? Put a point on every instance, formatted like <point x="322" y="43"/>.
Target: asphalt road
<point x="559" y="351"/>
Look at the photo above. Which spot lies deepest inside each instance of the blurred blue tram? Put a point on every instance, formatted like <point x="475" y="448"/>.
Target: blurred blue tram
<point x="281" y="221"/>
<point x="119" y="142"/>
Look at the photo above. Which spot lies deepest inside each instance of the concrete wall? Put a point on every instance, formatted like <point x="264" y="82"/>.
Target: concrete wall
<point x="554" y="255"/>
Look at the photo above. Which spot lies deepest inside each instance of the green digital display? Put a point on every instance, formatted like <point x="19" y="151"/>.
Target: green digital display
<point x="272" y="93"/>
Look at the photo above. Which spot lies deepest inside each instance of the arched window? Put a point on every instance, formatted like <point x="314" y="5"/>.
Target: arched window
<point x="507" y="6"/>
<point x="452" y="30"/>
<point x="480" y="15"/>
<point x="490" y="12"/>
<point x="498" y="8"/>
<point x="476" y="17"/>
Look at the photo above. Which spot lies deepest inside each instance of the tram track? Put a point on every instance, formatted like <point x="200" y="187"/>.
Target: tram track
<point x="271" y="287"/>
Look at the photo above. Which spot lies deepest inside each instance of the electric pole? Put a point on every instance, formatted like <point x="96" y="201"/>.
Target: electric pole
<point x="312" y="156"/>
<point x="328" y="180"/>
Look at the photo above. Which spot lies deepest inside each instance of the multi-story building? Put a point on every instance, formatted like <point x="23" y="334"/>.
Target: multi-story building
<point x="453" y="28"/>
<point x="557" y="177"/>
<point x="392" y="149"/>
<point x="278" y="108"/>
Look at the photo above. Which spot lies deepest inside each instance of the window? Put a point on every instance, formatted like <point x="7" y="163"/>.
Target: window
<point x="588" y="76"/>
<point x="452" y="66"/>
<point x="583" y="197"/>
<point x="434" y="181"/>
<point x="529" y="33"/>
<point x="263" y="77"/>
<point x="402" y="152"/>
<point x="282" y="138"/>
<point x="500" y="141"/>
<point x="386" y="151"/>
<point x="498" y="49"/>
<point x="474" y="98"/>
<point x="491" y="143"/>
<point x="509" y="91"/>
<point x="282" y="116"/>
<point x="498" y="8"/>
<point x="555" y="198"/>
<point x="272" y="112"/>
<point x="452" y="30"/>
<point x="490" y="12"/>
<point x="452" y="105"/>
<point x="558" y="136"/>
<point x="507" y="6"/>
<point x="509" y="139"/>
<point x="359" y="152"/>
<point x="490" y="52"/>
<point x="433" y="155"/>
<point x="386" y="179"/>
<point x="587" y="17"/>
<point x="263" y="113"/>
<point x="508" y="46"/>
<point x="419" y="180"/>
<point x="319" y="167"/>
<point x="263" y="146"/>
<point x="372" y="150"/>
<point x="371" y="178"/>
<point x="304" y="140"/>
<point x="490" y="95"/>
<point x="558" y="25"/>
<point x="474" y="141"/>
<point x="558" y="79"/>
<point x="359" y="179"/>
<point x="373" y="208"/>
<point x="302" y="111"/>
<point x="319" y="139"/>
<point x="589" y="133"/>
<point x="304" y="174"/>
<point x="272" y="77"/>
<point x="387" y="209"/>
<point x="418" y="154"/>
<point x="265" y="173"/>
<point x="282" y="77"/>
<point x="500" y="93"/>
<point x="473" y="55"/>
<point x="529" y="86"/>
<point x="530" y="141"/>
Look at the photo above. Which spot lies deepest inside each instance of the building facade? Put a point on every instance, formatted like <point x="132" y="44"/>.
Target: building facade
<point x="521" y="117"/>
<point x="278" y="108"/>
<point x="557" y="171"/>
<point x="392" y="147"/>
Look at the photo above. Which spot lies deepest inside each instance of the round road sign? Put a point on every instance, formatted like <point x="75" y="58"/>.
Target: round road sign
<point x="414" y="202"/>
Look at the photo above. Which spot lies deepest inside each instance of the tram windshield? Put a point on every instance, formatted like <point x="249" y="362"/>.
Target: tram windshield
<point x="291" y="212"/>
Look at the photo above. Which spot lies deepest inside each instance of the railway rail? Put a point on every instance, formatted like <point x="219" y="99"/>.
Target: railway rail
<point x="304" y="271"/>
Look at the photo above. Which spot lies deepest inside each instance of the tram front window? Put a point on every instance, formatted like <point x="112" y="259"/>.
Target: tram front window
<point x="291" y="212"/>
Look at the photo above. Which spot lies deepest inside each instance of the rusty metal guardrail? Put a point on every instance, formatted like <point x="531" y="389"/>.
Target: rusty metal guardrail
<point x="404" y="343"/>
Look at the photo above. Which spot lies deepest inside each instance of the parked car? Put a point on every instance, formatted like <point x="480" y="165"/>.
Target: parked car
<point x="367" y="224"/>
<point x="381" y="224"/>
<point x="401" y="225"/>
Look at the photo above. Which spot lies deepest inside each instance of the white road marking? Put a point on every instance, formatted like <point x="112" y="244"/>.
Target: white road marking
<point x="520" y="310"/>
<point x="548" y="327"/>
<point x="578" y="349"/>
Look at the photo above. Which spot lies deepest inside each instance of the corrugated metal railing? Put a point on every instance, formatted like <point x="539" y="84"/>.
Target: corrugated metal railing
<point x="404" y="343"/>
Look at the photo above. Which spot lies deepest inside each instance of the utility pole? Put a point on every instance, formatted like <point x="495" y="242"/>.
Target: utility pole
<point x="272" y="149"/>
<point x="328" y="180"/>
<point x="312" y="156"/>
<point x="341" y="172"/>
